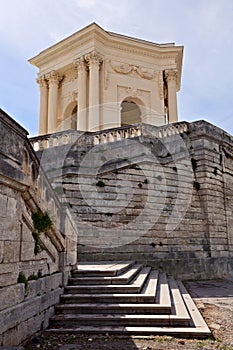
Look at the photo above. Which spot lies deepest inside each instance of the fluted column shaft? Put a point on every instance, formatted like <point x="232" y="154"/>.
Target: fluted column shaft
<point x="53" y="79"/>
<point x="171" y="79"/>
<point x="82" y="94"/>
<point x="43" y="116"/>
<point x="94" y="60"/>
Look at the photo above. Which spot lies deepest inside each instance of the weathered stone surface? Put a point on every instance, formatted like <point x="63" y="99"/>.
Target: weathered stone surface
<point x="11" y="295"/>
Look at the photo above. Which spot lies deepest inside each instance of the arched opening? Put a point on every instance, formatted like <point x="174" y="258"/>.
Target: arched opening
<point x="70" y="116"/>
<point x="130" y="113"/>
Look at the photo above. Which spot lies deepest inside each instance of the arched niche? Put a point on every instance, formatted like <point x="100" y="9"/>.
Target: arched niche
<point x="70" y="116"/>
<point x="130" y="112"/>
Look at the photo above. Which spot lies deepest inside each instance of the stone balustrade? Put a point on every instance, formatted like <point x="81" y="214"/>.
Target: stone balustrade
<point x="40" y="143"/>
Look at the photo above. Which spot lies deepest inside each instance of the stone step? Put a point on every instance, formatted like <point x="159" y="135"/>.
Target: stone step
<point x="141" y="302"/>
<point x="123" y="278"/>
<point x="124" y="308"/>
<point x="147" y="294"/>
<point x="197" y="332"/>
<point x="76" y="320"/>
<point x="134" y="287"/>
<point x="105" y="269"/>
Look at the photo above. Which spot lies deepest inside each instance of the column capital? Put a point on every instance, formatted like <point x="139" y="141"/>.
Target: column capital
<point x="42" y="81"/>
<point x="80" y="64"/>
<point x="53" y="77"/>
<point x="171" y="75"/>
<point x="94" y="58"/>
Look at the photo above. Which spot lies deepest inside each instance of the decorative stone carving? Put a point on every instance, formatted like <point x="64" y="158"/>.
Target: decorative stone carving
<point x="146" y="73"/>
<point x="80" y="64"/>
<point x="171" y="75"/>
<point x="126" y="68"/>
<point x="70" y="75"/>
<point x="73" y="96"/>
<point x="133" y="91"/>
<point x="42" y="81"/>
<point x="122" y="68"/>
<point x="53" y="77"/>
<point x="93" y="58"/>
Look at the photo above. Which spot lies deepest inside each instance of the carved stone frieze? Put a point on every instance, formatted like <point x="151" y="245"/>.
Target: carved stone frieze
<point x="126" y="68"/>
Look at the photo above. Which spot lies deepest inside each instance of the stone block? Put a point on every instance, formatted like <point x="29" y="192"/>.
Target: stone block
<point x="11" y="317"/>
<point x="34" y="289"/>
<point x="9" y="274"/>
<point x="11" y="251"/>
<point x="12" y="295"/>
<point x="50" y="299"/>
<point x="1" y="251"/>
<point x="27" y="250"/>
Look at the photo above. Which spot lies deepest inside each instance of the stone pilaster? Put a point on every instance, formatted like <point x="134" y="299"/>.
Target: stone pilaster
<point x="43" y="116"/>
<point x="80" y="65"/>
<point x="93" y="61"/>
<point x="171" y="79"/>
<point x="53" y="79"/>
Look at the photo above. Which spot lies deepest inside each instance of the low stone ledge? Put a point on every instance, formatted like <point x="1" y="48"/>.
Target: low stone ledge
<point x="13" y="317"/>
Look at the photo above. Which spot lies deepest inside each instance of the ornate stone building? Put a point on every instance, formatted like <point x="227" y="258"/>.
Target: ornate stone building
<point x="94" y="80"/>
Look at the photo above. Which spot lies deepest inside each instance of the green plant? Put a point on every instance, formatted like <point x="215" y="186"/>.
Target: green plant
<point x="100" y="184"/>
<point x="22" y="279"/>
<point x="41" y="223"/>
<point x="33" y="277"/>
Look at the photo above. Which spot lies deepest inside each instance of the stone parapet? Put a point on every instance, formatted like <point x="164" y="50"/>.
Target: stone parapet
<point x="25" y="190"/>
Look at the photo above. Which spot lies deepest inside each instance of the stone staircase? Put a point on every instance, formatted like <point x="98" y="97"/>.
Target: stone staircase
<point x="126" y="298"/>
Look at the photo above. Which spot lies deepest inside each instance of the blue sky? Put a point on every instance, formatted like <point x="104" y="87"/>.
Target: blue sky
<point x="204" y="27"/>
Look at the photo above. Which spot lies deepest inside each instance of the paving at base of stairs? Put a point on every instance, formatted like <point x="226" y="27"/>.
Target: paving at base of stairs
<point x="126" y="298"/>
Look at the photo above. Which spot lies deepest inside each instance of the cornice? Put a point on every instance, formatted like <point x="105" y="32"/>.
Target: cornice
<point x="97" y="37"/>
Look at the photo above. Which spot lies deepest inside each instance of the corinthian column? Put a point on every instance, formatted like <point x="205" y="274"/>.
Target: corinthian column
<point x="171" y="79"/>
<point x="43" y="116"/>
<point x="82" y="94"/>
<point x="94" y="60"/>
<point x="53" y="79"/>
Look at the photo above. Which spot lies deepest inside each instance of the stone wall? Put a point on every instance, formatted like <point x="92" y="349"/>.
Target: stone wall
<point x="162" y="196"/>
<point x="30" y="281"/>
